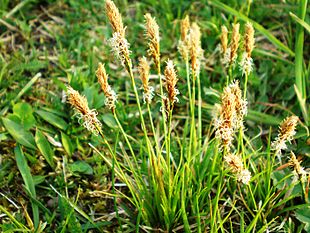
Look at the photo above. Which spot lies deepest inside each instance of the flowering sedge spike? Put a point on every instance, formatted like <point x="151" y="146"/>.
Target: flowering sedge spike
<point x="89" y="116"/>
<point x="120" y="45"/>
<point x="171" y="81"/>
<point x="246" y="63"/>
<point x="240" y="104"/>
<point x="234" y="44"/>
<point x="235" y="164"/>
<point x="224" y="46"/>
<point x="144" y="71"/>
<point x="195" y="48"/>
<point x="111" y="97"/>
<point x="225" y="119"/>
<point x="299" y="171"/>
<point x="115" y="18"/>
<point x="152" y="33"/>
<point x="184" y="41"/>
<point x="286" y="133"/>
<point x="224" y="39"/>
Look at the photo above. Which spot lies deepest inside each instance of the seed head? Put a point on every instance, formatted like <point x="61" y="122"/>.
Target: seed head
<point x="246" y="63"/>
<point x="224" y="39"/>
<point x="249" y="39"/>
<point x="152" y="33"/>
<point x="80" y="104"/>
<point x="236" y="165"/>
<point x="286" y="133"/>
<point x="171" y="81"/>
<point x="229" y="115"/>
<point x="115" y="18"/>
<point x="234" y="43"/>
<point x="195" y="48"/>
<point x="185" y="25"/>
<point x="299" y="171"/>
<point x="183" y="46"/>
<point x="120" y="47"/>
<point x="144" y="70"/>
<point x="111" y="97"/>
<point x="240" y="104"/>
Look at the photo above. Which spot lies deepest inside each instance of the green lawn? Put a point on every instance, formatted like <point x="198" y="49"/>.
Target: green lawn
<point x="163" y="165"/>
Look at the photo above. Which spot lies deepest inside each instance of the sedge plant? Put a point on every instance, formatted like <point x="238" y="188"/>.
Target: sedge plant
<point x="193" y="178"/>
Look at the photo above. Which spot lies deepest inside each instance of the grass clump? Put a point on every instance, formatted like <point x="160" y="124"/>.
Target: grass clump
<point x="167" y="154"/>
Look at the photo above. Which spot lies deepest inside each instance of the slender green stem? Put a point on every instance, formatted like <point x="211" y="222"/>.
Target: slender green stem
<point x="153" y="129"/>
<point x="245" y="85"/>
<point x="162" y="102"/>
<point x="199" y="109"/>
<point x="191" y="106"/>
<point x="193" y="135"/>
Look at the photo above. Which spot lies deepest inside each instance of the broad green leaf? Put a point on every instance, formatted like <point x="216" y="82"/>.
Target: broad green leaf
<point x="109" y="120"/>
<point x="28" y="180"/>
<point x="53" y="119"/>
<point x="303" y="215"/>
<point x="25" y="113"/>
<point x="81" y="167"/>
<point x="19" y="133"/>
<point x="66" y="142"/>
<point x="45" y="148"/>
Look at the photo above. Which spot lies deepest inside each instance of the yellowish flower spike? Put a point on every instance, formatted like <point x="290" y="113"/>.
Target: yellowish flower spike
<point x="88" y="116"/>
<point x="111" y="97"/>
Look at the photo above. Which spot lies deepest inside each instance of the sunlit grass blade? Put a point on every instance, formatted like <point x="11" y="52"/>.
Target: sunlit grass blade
<point x="256" y="25"/>
<point x="300" y="21"/>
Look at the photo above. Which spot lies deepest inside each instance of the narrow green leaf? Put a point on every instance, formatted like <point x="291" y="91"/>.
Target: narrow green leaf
<point x="28" y="180"/>
<point x="45" y="148"/>
<point x="256" y="25"/>
<point x="19" y="133"/>
<point x="262" y="118"/>
<point x="300" y="80"/>
<point x="53" y="119"/>
<point x="300" y="21"/>
<point x="66" y="142"/>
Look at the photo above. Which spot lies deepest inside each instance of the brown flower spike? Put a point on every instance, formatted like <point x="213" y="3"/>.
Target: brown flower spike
<point x="299" y="171"/>
<point x="236" y="165"/>
<point x="110" y="95"/>
<point x="144" y="71"/>
<point x="286" y="133"/>
<point x="249" y="39"/>
<point x="224" y="39"/>
<point x="119" y="43"/>
<point x="152" y="33"/>
<point x="246" y="63"/>
<point x="183" y="46"/>
<point x="195" y="48"/>
<point x="115" y="18"/>
<point x="89" y="116"/>
<point x="234" y="43"/>
<point x="229" y="115"/>
<point x="171" y="81"/>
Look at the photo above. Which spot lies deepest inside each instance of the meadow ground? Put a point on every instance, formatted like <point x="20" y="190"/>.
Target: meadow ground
<point x="185" y="148"/>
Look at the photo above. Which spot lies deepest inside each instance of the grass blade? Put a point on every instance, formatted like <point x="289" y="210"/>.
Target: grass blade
<point x="299" y="49"/>
<point x="28" y="180"/>
<point x="256" y="25"/>
<point x="300" y="21"/>
<point x="45" y="148"/>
